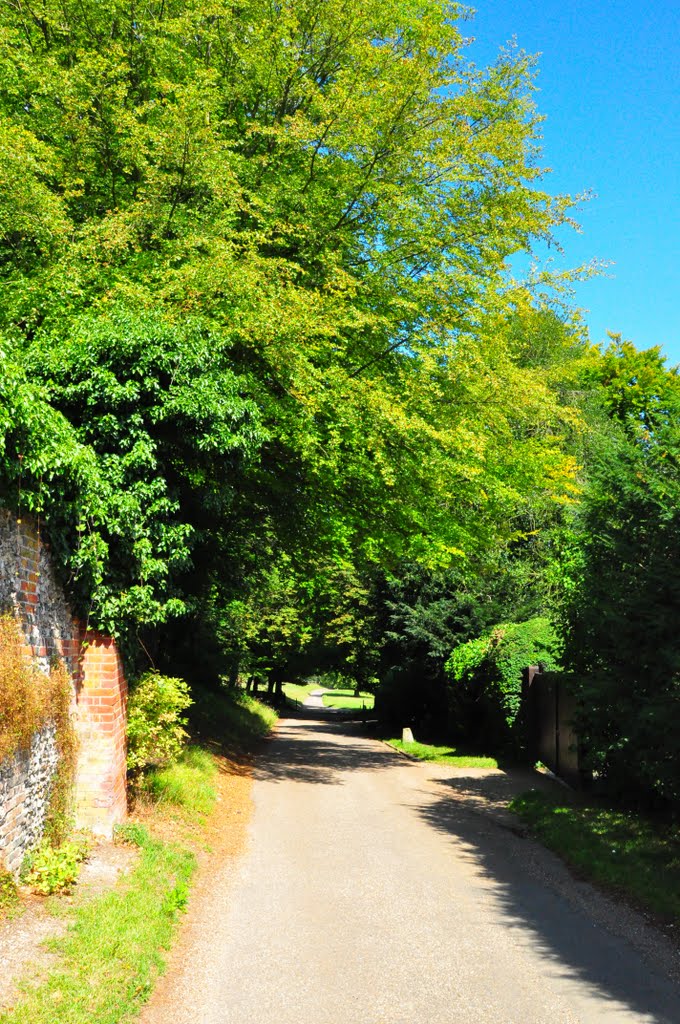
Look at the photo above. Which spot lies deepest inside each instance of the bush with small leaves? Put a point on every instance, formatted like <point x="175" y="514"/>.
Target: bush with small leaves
<point x="51" y="869"/>
<point x="9" y="896"/>
<point x="156" y="726"/>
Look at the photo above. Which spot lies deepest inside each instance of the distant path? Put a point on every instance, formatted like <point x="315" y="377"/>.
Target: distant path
<point x="314" y="699"/>
<point x="376" y="890"/>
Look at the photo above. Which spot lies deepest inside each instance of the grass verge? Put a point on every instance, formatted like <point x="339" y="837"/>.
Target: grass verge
<point x="189" y="783"/>
<point x="230" y="718"/>
<point x="113" y="952"/>
<point x="443" y="755"/>
<point x="346" y="699"/>
<point x="618" y="849"/>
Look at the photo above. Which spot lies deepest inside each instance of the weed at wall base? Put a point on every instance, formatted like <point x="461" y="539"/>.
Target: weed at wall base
<point x="50" y="869"/>
<point x="111" y="956"/>
<point x="9" y="896"/>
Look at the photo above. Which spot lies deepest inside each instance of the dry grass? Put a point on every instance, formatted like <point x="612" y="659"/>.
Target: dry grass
<point x="24" y="691"/>
<point x="29" y="699"/>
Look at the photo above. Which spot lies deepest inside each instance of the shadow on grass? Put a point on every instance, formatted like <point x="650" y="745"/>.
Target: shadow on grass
<point x="496" y="788"/>
<point x="580" y="939"/>
<point x="229" y="725"/>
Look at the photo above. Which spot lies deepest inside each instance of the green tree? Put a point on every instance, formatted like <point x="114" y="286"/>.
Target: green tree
<point x="420" y="615"/>
<point x="622" y="596"/>
<point x="257" y="262"/>
<point x="159" y="408"/>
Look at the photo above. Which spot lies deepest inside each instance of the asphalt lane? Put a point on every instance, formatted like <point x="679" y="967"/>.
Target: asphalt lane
<point x="376" y="890"/>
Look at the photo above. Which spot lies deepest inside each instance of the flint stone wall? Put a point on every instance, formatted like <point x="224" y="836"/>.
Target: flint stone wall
<point x="31" y="591"/>
<point x="28" y="587"/>
<point x="25" y="782"/>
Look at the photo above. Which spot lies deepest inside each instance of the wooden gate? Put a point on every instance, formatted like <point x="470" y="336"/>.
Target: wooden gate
<point x="549" y="713"/>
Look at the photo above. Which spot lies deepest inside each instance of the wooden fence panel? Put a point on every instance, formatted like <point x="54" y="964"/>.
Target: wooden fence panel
<point x="550" y="710"/>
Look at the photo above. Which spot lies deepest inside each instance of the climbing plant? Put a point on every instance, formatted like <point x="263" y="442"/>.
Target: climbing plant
<point x="486" y="678"/>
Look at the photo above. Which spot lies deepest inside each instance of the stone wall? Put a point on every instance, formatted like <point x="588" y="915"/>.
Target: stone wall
<point x="24" y="796"/>
<point x="30" y="589"/>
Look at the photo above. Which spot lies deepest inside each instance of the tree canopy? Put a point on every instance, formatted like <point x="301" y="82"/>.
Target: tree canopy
<point x="621" y="601"/>
<point x="268" y="379"/>
<point x="254" y="261"/>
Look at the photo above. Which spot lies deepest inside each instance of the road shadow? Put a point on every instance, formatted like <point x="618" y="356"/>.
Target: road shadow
<point x="324" y="714"/>
<point x="303" y="753"/>
<point x="579" y="934"/>
<point x="576" y="929"/>
<point x="490" y="792"/>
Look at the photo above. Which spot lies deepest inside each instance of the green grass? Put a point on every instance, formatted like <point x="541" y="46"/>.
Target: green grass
<point x="443" y="755"/>
<point x="110" y="957"/>
<point x="189" y="783"/>
<point x="113" y="951"/>
<point x="620" y="850"/>
<point x="231" y="718"/>
<point x="298" y="692"/>
<point x="346" y="699"/>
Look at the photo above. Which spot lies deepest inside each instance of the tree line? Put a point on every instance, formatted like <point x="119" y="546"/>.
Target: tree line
<point x="269" y="382"/>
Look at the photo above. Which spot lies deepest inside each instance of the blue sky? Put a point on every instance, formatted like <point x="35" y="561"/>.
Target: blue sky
<point x="610" y="86"/>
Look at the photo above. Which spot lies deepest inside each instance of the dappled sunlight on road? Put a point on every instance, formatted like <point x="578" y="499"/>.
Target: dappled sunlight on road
<point x="301" y="752"/>
<point x="576" y="936"/>
<point x="379" y="890"/>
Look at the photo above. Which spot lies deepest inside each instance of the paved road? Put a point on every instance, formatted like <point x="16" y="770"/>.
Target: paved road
<point x="376" y="890"/>
<point x="314" y="700"/>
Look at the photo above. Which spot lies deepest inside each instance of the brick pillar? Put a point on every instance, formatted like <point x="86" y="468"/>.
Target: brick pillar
<point x="100" y="725"/>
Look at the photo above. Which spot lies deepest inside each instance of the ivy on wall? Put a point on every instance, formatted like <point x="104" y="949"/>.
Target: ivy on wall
<point x="486" y="674"/>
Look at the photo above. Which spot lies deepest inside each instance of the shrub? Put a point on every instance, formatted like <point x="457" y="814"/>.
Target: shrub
<point x="24" y="691"/>
<point x="156" y="733"/>
<point x="487" y="676"/>
<point x="50" y="869"/>
<point x="9" y="896"/>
